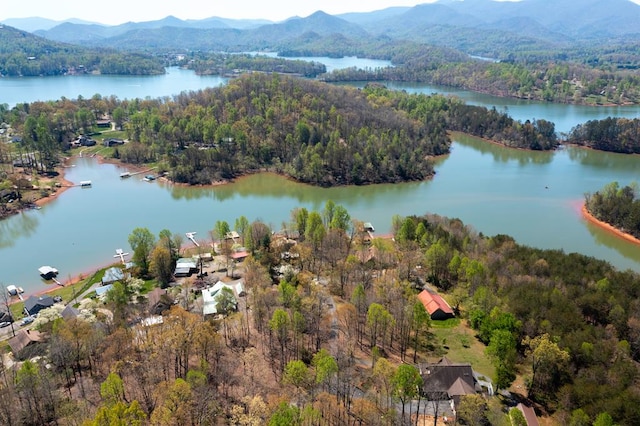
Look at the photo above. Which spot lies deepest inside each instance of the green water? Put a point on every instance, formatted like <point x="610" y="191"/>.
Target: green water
<point x="534" y="197"/>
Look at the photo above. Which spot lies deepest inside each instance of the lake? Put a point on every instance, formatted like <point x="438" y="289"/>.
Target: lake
<point x="533" y="196"/>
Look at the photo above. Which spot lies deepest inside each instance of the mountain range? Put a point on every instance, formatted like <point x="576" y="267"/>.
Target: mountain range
<point x="473" y="26"/>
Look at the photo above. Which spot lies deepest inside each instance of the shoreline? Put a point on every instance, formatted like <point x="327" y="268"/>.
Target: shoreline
<point x="607" y="227"/>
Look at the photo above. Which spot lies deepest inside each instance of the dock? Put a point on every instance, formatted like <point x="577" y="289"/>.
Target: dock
<point x="85" y="183"/>
<point x="121" y="254"/>
<point x="191" y="236"/>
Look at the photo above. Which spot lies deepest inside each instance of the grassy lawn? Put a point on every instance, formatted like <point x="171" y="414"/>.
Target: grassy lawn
<point x="455" y="340"/>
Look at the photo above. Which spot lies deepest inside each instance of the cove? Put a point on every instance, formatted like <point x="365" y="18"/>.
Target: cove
<point x="532" y="196"/>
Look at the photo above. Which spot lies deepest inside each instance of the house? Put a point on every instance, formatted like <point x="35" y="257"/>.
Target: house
<point x="448" y="381"/>
<point x="211" y="296"/>
<point x="5" y="316"/>
<point x="112" y="142"/>
<point x="437" y="307"/>
<point x="158" y="301"/>
<point x="102" y="291"/>
<point x="69" y="313"/>
<point x="103" y="123"/>
<point x="23" y="339"/>
<point x="239" y="254"/>
<point x="529" y="414"/>
<point x="35" y="304"/>
<point x="113" y="274"/>
<point x="185" y="266"/>
<point x="85" y="141"/>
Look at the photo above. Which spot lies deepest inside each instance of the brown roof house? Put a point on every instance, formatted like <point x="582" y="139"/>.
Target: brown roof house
<point x="437" y="307"/>
<point x="22" y="341"/>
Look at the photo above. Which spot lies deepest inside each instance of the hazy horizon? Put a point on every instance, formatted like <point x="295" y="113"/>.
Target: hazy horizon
<point x="122" y="11"/>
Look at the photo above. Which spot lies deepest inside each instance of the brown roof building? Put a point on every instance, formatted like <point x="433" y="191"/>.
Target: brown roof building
<point x="437" y="307"/>
<point x="22" y="339"/>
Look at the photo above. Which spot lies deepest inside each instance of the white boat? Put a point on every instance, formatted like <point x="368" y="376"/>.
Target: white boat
<point x="85" y="183"/>
<point x="125" y="175"/>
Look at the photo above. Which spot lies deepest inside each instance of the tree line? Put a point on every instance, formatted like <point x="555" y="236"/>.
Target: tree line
<point x="23" y="54"/>
<point x="230" y="64"/>
<point x="617" y="206"/>
<point x="610" y="134"/>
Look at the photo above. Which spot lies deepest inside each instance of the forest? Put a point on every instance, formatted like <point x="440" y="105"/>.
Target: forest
<point x="336" y="339"/>
<point x="611" y="134"/>
<point x="23" y="54"/>
<point x="617" y="206"/>
<point x="230" y="64"/>
<point x="311" y="131"/>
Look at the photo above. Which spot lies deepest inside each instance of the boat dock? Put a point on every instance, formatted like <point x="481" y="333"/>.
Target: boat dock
<point x="125" y="175"/>
<point x="190" y="235"/>
<point x="121" y="254"/>
<point x="15" y="291"/>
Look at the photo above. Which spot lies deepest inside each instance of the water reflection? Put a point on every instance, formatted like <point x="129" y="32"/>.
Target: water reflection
<point x="504" y="154"/>
<point x="604" y="160"/>
<point x="608" y="239"/>
<point x="20" y="225"/>
<point x="274" y="186"/>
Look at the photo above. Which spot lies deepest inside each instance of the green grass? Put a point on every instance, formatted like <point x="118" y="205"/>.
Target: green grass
<point x="458" y="343"/>
<point x="448" y="323"/>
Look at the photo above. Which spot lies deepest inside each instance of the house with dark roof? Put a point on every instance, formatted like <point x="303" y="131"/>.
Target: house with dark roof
<point x="448" y="381"/>
<point x="437" y="307"/>
<point x="35" y="304"/>
<point x="5" y="316"/>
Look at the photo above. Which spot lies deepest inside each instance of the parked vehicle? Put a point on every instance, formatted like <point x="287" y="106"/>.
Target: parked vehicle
<point x="26" y="320"/>
<point x="4" y="324"/>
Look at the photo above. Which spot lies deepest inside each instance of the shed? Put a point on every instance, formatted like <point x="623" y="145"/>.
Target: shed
<point x="437" y="307"/>
<point x="35" y="304"/>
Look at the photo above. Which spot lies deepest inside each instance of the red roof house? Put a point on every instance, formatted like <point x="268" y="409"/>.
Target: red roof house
<point x="437" y="307"/>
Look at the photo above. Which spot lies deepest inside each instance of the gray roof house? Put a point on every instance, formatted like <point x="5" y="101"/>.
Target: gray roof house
<point x="35" y="304"/>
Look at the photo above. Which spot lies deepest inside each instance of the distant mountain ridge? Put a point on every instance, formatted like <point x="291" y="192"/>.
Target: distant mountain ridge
<point x="474" y="26"/>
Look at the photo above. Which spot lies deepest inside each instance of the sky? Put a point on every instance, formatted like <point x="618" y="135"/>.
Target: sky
<point x="114" y="12"/>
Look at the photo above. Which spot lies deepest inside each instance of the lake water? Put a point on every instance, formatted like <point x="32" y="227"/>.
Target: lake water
<point x="532" y="196"/>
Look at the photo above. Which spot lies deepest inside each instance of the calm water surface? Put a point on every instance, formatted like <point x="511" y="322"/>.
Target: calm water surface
<point x="532" y="196"/>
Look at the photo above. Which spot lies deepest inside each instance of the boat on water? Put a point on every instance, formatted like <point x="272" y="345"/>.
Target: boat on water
<point x="48" y="272"/>
<point x="125" y="175"/>
<point x="149" y="178"/>
<point x="85" y="183"/>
